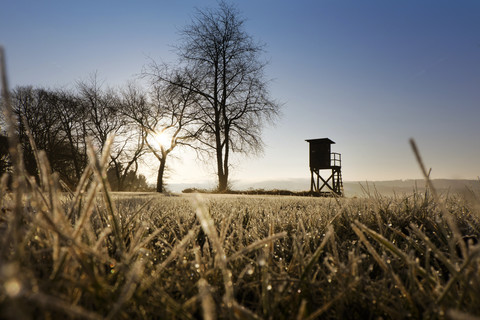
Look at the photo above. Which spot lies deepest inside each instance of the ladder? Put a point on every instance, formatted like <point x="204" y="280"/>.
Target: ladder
<point x="337" y="183"/>
<point x="340" y="183"/>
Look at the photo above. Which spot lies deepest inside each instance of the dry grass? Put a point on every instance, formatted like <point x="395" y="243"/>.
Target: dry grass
<point x="91" y="255"/>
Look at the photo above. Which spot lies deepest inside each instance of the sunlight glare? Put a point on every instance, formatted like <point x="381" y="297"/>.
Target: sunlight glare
<point x="162" y="139"/>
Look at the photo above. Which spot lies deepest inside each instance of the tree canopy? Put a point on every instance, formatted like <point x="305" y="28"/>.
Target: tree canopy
<point x="222" y="65"/>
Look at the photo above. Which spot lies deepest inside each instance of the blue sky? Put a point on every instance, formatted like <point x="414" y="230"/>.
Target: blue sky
<point x="367" y="74"/>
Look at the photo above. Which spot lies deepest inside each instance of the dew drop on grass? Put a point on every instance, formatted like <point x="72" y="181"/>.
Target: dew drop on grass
<point x="13" y="287"/>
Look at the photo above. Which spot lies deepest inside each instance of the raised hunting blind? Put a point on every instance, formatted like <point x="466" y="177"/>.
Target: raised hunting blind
<point x="322" y="159"/>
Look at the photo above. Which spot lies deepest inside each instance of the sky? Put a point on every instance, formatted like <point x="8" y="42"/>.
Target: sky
<point x="368" y="74"/>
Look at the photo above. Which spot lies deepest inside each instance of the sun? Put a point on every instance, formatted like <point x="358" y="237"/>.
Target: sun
<point x="162" y="139"/>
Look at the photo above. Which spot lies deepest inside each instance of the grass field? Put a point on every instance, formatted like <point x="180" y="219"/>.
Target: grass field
<point x="91" y="254"/>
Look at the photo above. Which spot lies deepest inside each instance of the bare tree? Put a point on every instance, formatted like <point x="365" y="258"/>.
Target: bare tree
<point x="221" y="64"/>
<point x="50" y="116"/>
<point x="32" y="108"/>
<point x="100" y="110"/>
<point x="67" y="108"/>
<point x="5" y="163"/>
<point x="104" y="118"/>
<point x="5" y="160"/>
<point x="166" y="118"/>
<point x="60" y="122"/>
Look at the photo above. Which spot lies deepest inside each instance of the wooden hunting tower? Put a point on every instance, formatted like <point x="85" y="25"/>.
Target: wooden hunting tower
<point x="321" y="158"/>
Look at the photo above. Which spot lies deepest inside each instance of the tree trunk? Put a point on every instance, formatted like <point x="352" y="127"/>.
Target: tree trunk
<point x="161" y="170"/>
<point x="118" y="175"/>
<point x="222" y="182"/>
<point x="226" y="159"/>
<point x="73" y="154"/>
<point x="222" y="174"/>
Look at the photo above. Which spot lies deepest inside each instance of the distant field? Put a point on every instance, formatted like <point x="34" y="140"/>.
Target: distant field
<point x="352" y="188"/>
<point x="231" y="256"/>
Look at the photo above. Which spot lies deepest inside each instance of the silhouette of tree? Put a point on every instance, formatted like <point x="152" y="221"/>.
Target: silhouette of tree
<point x="31" y="108"/>
<point x="165" y="114"/>
<point x="60" y="122"/>
<point x="5" y="161"/>
<point x="41" y="111"/>
<point x="104" y="118"/>
<point x="221" y="64"/>
<point x="70" y="116"/>
<point x="130" y="181"/>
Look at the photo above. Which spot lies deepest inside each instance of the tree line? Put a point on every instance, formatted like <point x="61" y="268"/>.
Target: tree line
<point x="214" y="99"/>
